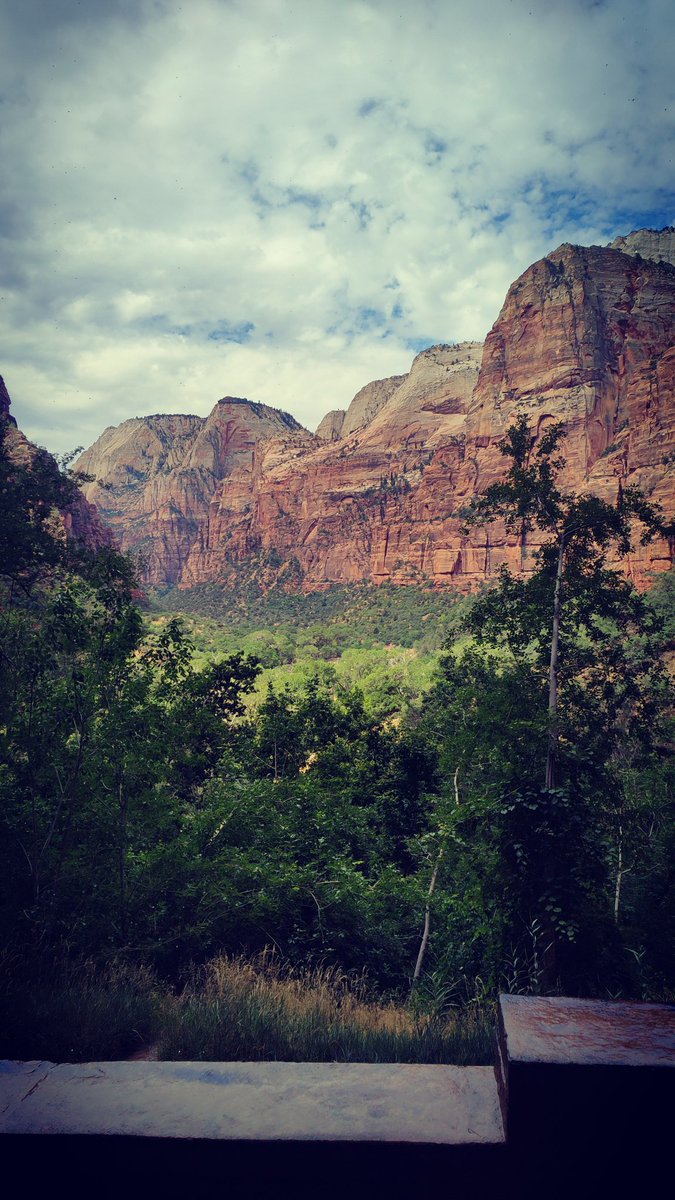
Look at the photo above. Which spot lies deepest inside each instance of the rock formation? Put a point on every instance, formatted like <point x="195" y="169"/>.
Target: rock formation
<point x="368" y="402"/>
<point x="586" y="335"/>
<point x="80" y="520"/>
<point x="157" y="478"/>
<point x="655" y="244"/>
<point x="5" y="402"/>
<point x="329" y="428"/>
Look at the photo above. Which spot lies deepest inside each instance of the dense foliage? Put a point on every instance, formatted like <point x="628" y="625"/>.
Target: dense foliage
<point x="148" y="811"/>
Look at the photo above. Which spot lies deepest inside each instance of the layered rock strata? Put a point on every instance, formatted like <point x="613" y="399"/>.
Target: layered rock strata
<point x="156" y="479"/>
<point x="585" y="336"/>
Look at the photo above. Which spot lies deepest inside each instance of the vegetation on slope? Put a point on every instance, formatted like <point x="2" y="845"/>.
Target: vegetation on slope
<point x="152" y="818"/>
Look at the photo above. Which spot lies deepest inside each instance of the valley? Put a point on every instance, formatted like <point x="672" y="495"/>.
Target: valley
<point x="292" y="720"/>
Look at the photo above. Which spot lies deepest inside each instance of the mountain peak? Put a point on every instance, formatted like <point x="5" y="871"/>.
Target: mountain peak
<point x="655" y="244"/>
<point x="378" y="495"/>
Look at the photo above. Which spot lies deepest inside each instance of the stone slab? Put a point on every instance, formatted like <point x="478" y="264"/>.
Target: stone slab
<point x="562" y="1030"/>
<point x="329" y="1102"/>
<point x="18" y="1079"/>
<point x="588" y="1094"/>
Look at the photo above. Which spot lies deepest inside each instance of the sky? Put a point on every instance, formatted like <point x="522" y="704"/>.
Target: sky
<point x="284" y="200"/>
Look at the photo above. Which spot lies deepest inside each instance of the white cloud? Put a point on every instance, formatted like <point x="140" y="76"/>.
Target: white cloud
<point x="281" y="201"/>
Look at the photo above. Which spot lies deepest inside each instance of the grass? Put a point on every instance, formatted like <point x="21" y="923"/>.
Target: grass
<point x="241" y="1010"/>
<point x="77" y="1012"/>
<point x="233" y="1009"/>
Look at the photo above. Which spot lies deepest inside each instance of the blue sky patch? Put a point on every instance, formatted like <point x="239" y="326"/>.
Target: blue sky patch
<point x="369" y="319"/>
<point x="368" y="106"/>
<point x="418" y="344"/>
<point x="436" y="148"/>
<point x="225" y="332"/>
<point x="297" y="196"/>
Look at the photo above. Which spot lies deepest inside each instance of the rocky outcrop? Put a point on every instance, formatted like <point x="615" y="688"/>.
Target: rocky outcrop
<point x="585" y="336"/>
<point x="326" y="512"/>
<point x="5" y="402"/>
<point x="368" y="402"/>
<point x="655" y="244"/>
<point x="156" y="478"/>
<point x="329" y="428"/>
<point x="429" y="405"/>
<point x="80" y="520"/>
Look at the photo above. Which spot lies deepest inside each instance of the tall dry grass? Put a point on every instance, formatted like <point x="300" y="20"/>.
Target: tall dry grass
<point x="231" y="1009"/>
<point x="240" y="1009"/>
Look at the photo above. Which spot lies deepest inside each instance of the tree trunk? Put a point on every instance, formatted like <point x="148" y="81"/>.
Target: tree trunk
<point x="552" y="751"/>
<point x="427" y="917"/>
<point x="548" y="955"/>
<point x="432" y="887"/>
<point x="621" y="870"/>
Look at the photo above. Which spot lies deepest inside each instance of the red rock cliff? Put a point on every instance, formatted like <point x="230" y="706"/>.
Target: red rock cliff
<point x="585" y="335"/>
<point x="80" y="519"/>
<point x="157" y="477"/>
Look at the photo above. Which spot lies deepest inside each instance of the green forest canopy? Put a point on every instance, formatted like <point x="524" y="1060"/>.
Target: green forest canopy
<point x="148" y="812"/>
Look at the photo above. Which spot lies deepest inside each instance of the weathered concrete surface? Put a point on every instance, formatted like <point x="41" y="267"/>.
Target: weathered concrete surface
<point x="333" y="1102"/>
<point x="17" y="1081"/>
<point x="555" y="1029"/>
<point x="588" y="1092"/>
<point x="310" y="1131"/>
<point x="588" y="1087"/>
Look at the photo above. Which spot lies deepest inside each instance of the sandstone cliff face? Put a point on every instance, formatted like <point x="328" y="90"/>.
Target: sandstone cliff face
<point x="429" y="405"/>
<point x="368" y="402"/>
<point x="330" y="427"/>
<point x="586" y="336"/>
<point x="655" y="244"/>
<point x="157" y="477"/>
<point x="329" y="512"/>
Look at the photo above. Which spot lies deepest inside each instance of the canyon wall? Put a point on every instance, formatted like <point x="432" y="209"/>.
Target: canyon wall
<point x="586" y="336"/>
<point x="156" y="478"/>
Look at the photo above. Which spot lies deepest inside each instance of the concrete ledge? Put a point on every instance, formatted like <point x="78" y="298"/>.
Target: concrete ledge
<point x="586" y="1091"/>
<point x="311" y="1131"/>
<point x="585" y="1068"/>
<point x="334" y="1102"/>
<point x="564" y="1030"/>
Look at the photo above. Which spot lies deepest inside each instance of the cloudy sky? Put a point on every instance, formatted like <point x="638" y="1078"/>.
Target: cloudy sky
<point x="283" y="199"/>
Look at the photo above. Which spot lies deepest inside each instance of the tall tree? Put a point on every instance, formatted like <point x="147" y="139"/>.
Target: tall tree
<point x="581" y="530"/>
<point x="579" y="622"/>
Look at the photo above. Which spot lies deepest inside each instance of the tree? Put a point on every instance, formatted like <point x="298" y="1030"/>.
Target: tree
<point x="572" y="561"/>
<point x="480" y="725"/>
<point x="32" y="492"/>
<point x="579" y="623"/>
